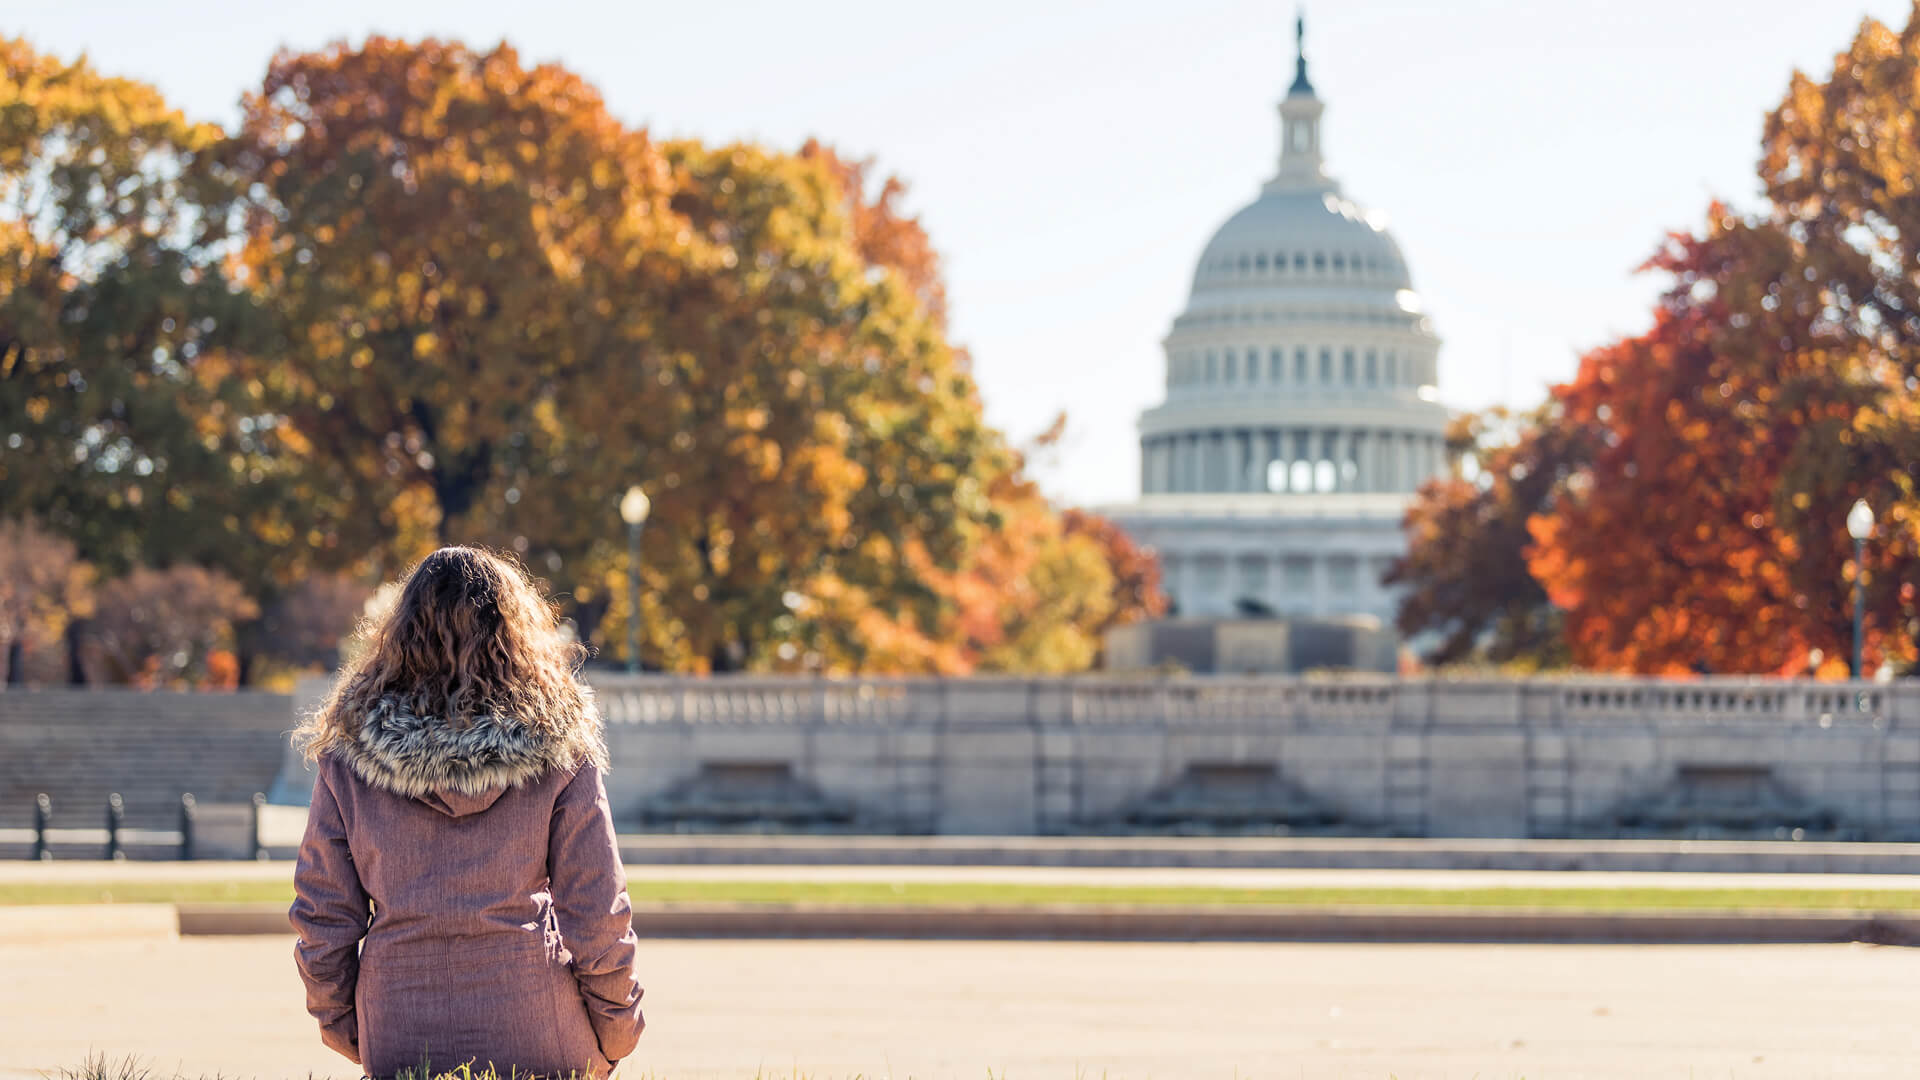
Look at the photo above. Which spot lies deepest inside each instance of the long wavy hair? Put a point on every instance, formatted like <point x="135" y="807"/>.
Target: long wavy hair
<point x="470" y="636"/>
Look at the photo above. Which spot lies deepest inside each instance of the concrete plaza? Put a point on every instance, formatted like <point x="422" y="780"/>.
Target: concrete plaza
<point x="1061" y="1010"/>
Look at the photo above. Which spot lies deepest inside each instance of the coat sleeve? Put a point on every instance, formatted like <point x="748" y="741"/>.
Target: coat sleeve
<point x="329" y="914"/>
<point x="595" y="916"/>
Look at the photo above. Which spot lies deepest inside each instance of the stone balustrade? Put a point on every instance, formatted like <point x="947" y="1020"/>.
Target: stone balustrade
<point x="1500" y="757"/>
<point x="1369" y="754"/>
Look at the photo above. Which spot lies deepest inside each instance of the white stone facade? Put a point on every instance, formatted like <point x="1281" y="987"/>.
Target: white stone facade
<point x="1300" y="411"/>
<point x="1422" y="757"/>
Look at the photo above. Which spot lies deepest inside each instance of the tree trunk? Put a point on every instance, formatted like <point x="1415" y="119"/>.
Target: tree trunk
<point x="16" y="661"/>
<point x="76" y="664"/>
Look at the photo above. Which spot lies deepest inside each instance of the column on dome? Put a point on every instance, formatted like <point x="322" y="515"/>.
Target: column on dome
<point x="1363" y="460"/>
<point x="1270" y="455"/>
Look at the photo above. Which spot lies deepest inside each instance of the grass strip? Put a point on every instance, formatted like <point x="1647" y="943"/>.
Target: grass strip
<point x="982" y="894"/>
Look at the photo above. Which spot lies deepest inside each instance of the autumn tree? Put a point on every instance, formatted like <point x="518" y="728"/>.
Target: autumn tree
<point x="1701" y="529"/>
<point x="464" y="303"/>
<point x="172" y="627"/>
<point x="121" y="424"/>
<point x="1137" y="592"/>
<point x="1775" y="388"/>
<point x="443" y="238"/>
<point x="1468" y="588"/>
<point x="883" y="233"/>
<point x="811" y="443"/>
<point x="1840" y="165"/>
<point x="44" y="588"/>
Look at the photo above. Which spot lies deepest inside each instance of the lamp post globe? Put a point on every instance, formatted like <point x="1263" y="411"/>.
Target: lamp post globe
<point x="1859" y="526"/>
<point x="634" y="507"/>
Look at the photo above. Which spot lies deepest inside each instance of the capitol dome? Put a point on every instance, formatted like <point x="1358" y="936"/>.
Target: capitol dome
<point x="1301" y="413"/>
<point x="1296" y="233"/>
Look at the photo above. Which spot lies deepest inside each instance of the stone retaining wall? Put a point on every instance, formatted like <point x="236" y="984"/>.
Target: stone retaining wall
<point x="1388" y="755"/>
<point x="1416" y="757"/>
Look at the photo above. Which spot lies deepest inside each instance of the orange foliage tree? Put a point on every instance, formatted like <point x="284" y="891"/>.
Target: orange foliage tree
<point x="442" y="238"/>
<point x="1465" y="571"/>
<point x="1703" y="529"/>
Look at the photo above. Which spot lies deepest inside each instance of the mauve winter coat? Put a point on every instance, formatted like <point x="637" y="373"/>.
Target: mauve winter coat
<point x="459" y="897"/>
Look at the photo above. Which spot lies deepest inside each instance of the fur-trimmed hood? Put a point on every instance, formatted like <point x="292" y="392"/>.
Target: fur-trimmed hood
<point x="462" y="770"/>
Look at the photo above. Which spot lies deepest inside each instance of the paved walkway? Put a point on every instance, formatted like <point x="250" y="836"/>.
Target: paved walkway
<point x="1055" y="1011"/>
<point x="12" y="872"/>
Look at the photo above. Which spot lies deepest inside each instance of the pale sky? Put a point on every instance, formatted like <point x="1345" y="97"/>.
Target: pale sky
<point x="1070" y="159"/>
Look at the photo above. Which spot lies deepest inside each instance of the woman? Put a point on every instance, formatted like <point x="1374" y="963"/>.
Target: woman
<point x="459" y="895"/>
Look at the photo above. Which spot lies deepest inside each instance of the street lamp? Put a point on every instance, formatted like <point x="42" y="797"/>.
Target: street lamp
<point x="634" y="506"/>
<point x="1859" y="526"/>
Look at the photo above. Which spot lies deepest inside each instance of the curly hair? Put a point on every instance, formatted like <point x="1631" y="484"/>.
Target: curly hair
<point x="469" y="637"/>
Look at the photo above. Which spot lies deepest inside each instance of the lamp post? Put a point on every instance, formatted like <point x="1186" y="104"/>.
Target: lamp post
<point x="634" y="506"/>
<point x="1859" y="526"/>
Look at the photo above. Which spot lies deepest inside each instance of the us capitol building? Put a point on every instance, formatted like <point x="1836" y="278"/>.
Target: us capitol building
<point x="1300" y="411"/>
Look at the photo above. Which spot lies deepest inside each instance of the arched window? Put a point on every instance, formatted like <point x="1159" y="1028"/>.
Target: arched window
<point x="1260" y="262"/>
<point x="1243" y="264"/>
<point x="1276" y="365"/>
<point x="1232" y="366"/>
<point x="1324" y="476"/>
<point x="1393" y="368"/>
<point x="1320" y="260"/>
<point x="1326" y="367"/>
<point x="1300" y="476"/>
<point x="1211" y="370"/>
<point x="1300" y="365"/>
<point x="1279" y="261"/>
<point x="1276" y="475"/>
<point x="1346" y="366"/>
<point x="1373" y="369"/>
<point x="1339" y="262"/>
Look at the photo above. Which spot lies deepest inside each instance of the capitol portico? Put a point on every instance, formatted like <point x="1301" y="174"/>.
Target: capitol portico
<point x="1300" y="413"/>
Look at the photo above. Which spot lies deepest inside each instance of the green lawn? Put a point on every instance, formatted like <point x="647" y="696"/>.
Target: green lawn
<point x="979" y="894"/>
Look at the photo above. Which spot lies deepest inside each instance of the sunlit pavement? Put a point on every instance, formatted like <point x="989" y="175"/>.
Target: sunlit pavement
<point x="1061" y="1010"/>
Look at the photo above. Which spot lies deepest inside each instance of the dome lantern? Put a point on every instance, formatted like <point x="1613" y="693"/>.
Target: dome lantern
<point x="1302" y="166"/>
